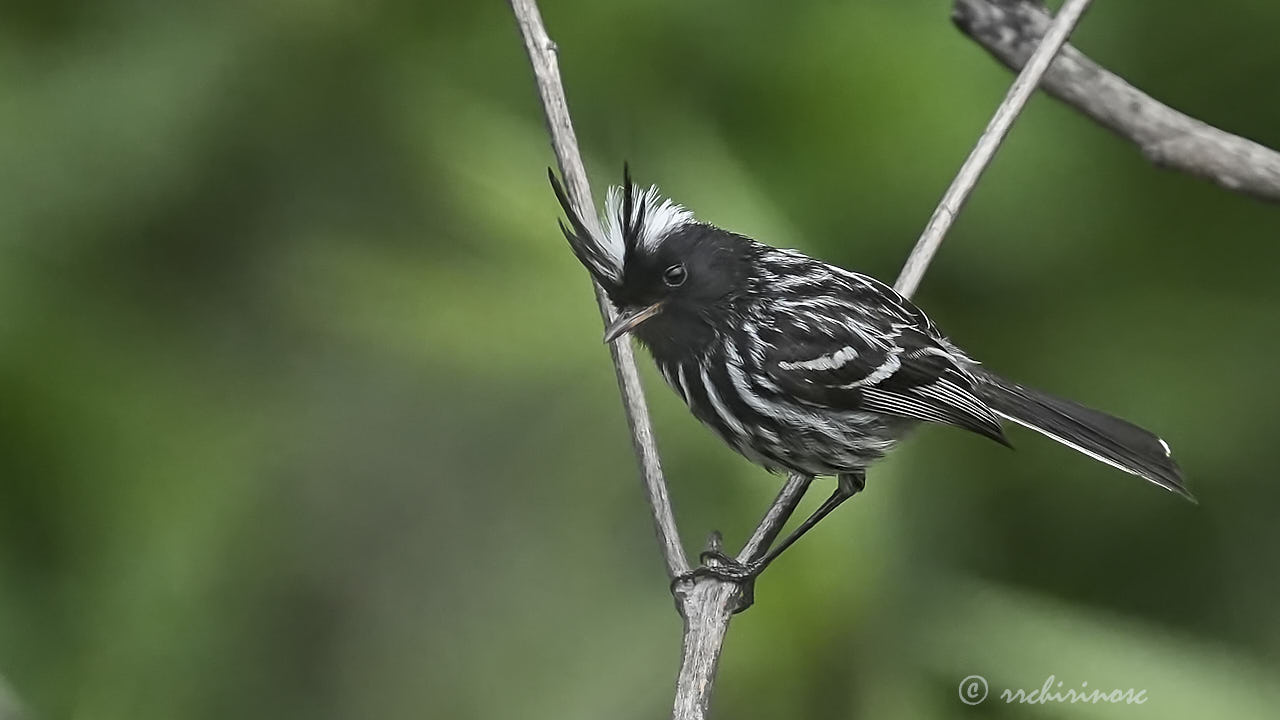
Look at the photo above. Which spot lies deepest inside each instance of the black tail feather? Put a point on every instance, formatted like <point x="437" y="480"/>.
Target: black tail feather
<point x="1108" y="439"/>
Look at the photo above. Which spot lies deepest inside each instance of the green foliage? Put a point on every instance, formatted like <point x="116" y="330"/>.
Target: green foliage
<point x="304" y="413"/>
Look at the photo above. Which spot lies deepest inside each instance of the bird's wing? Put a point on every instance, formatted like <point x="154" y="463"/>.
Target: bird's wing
<point x="853" y="347"/>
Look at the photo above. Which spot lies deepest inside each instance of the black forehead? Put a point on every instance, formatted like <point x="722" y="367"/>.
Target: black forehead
<point x="715" y="259"/>
<point x="690" y="243"/>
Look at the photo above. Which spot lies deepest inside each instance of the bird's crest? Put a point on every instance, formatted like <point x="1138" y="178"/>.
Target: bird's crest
<point x="632" y="220"/>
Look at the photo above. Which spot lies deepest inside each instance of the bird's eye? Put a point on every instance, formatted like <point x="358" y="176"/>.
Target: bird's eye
<point x="674" y="276"/>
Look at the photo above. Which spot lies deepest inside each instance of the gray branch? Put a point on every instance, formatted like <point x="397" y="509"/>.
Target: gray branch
<point x="546" y="70"/>
<point x="706" y="604"/>
<point x="1009" y="30"/>
<point x="988" y="143"/>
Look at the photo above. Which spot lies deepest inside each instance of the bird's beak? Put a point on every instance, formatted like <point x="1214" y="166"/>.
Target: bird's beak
<point x="628" y="320"/>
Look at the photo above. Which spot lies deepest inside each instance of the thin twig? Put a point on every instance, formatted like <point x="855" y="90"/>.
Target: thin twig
<point x="546" y="69"/>
<point x="1009" y="29"/>
<point x="978" y="160"/>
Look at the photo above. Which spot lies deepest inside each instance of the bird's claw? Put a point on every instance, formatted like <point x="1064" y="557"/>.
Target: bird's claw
<point x="720" y="566"/>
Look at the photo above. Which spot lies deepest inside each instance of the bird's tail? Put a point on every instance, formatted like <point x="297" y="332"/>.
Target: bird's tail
<point x="1102" y="437"/>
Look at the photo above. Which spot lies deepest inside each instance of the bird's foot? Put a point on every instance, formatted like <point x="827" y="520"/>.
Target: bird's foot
<point x="718" y="565"/>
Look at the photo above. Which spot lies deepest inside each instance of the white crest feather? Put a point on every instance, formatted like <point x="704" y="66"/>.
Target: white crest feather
<point x="661" y="218"/>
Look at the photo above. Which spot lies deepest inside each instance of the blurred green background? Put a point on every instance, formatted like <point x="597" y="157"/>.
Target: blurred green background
<point x="304" y="410"/>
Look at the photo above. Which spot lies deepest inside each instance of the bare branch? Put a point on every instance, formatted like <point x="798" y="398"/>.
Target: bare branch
<point x="546" y="69"/>
<point x="980" y="157"/>
<point x="707" y="606"/>
<point x="1008" y="29"/>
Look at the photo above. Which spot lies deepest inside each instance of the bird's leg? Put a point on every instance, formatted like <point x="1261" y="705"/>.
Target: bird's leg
<point x="776" y="518"/>
<point x="727" y="568"/>
<point x="780" y="511"/>
<point x="847" y="485"/>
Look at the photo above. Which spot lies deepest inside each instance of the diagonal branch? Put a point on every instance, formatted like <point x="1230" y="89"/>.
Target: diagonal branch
<point x="1009" y="29"/>
<point x="978" y="160"/>
<point x="546" y="70"/>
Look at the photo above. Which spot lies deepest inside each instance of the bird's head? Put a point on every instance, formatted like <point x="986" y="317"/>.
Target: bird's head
<point x="669" y="276"/>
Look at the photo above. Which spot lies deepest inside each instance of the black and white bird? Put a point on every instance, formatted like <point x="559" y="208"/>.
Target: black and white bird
<point x="803" y="366"/>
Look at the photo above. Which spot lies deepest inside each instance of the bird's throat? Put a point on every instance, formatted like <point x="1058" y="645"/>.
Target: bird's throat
<point x="673" y="334"/>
